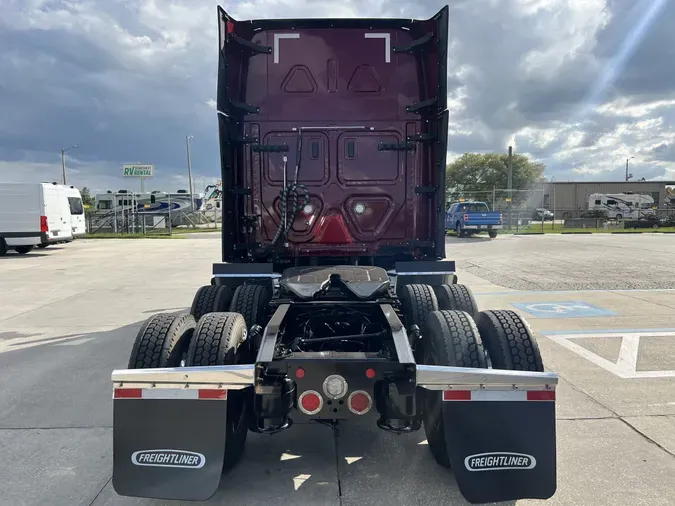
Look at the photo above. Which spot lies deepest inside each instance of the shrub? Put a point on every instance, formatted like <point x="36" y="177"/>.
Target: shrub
<point x="594" y="213"/>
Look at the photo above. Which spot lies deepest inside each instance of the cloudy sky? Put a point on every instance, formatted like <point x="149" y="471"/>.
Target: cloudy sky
<point x="581" y="85"/>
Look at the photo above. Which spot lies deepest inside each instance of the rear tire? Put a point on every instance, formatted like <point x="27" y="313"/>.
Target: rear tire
<point x="217" y="340"/>
<point x="457" y="297"/>
<point x="211" y="299"/>
<point x="23" y="250"/>
<point x="252" y="301"/>
<point x="417" y="302"/>
<point x="509" y="341"/>
<point x="3" y="247"/>
<point x="42" y="246"/>
<point x="162" y="341"/>
<point x="452" y="339"/>
<point x="492" y="234"/>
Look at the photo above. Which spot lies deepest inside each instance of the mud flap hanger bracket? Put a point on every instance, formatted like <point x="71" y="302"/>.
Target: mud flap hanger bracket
<point x="232" y="377"/>
<point x="434" y="377"/>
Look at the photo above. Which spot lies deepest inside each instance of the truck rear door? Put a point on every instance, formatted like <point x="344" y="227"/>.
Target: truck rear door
<point x="53" y="210"/>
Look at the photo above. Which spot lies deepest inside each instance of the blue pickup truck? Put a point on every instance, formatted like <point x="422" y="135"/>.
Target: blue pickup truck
<point x="467" y="218"/>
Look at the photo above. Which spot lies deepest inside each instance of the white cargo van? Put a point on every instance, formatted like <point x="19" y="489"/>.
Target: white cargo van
<point x="76" y="208"/>
<point x="33" y="214"/>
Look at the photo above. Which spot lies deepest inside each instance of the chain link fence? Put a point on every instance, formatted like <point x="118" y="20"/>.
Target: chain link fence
<point x="130" y="221"/>
<point x="530" y="211"/>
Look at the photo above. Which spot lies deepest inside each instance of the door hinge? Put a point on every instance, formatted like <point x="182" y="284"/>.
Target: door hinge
<point x="421" y="107"/>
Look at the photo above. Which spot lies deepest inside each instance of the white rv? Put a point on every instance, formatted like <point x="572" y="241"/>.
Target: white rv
<point x="621" y="205"/>
<point x="33" y="214"/>
<point x="76" y="208"/>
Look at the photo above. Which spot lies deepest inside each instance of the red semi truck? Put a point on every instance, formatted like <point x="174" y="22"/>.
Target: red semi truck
<point x="334" y="300"/>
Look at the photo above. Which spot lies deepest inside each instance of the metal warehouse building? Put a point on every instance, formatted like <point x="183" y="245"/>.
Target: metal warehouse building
<point x="570" y="198"/>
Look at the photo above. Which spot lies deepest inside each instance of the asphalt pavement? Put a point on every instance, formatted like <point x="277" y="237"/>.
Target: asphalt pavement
<point x="603" y="308"/>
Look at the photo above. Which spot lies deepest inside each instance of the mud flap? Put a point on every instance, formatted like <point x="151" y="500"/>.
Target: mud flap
<point x="501" y="449"/>
<point x="171" y="447"/>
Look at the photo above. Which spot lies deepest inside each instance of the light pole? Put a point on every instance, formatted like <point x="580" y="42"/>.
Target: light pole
<point x="628" y="176"/>
<point x="189" y="165"/>
<point x="63" y="161"/>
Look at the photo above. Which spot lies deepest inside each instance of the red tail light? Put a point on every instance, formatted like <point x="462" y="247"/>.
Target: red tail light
<point x="310" y="402"/>
<point x="44" y="226"/>
<point x="333" y="230"/>
<point x="466" y="218"/>
<point x="360" y="402"/>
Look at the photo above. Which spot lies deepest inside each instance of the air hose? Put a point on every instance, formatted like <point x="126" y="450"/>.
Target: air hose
<point x="293" y="191"/>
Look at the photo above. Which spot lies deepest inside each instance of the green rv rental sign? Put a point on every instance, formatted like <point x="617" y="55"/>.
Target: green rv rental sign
<point x="137" y="170"/>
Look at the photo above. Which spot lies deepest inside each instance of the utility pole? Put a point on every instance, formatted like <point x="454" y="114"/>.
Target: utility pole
<point x="189" y="165"/>
<point x="63" y="162"/>
<point x="628" y="176"/>
<point x="509" y="183"/>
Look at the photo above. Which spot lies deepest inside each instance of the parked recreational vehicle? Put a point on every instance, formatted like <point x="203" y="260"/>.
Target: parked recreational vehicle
<point x="155" y="202"/>
<point x="128" y="210"/>
<point x="33" y="214"/>
<point x="621" y="205"/>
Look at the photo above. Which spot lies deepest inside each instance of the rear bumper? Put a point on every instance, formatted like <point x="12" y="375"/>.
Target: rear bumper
<point x="21" y="238"/>
<point x="46" y="238"/>
<point x="483" y="227"/>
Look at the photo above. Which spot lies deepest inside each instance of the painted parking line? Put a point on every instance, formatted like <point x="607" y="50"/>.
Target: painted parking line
<point x="562" y="292"/>
<point x="564" y="309"/>
<point x="626" y="364"/>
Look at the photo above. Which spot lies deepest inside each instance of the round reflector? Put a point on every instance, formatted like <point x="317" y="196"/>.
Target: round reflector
<point x="370" y="373"/>
<point x="359" y="402"/>
<point x="335" y="386"/>
<point x="299" y="373"/>
<point x="308" y="209"/>
<point x="310" y="402"/>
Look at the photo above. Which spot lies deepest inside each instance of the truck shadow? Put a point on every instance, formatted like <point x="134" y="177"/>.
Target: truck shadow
<point x="13" y="255"/>
<point x="475" y="238"/>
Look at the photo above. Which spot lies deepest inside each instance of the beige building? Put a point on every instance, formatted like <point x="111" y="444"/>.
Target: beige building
<point x="570" y="198"/>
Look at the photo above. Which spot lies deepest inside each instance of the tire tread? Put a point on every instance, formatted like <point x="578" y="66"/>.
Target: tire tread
<point x="418" y="302"/>
<point x="510" y="341"/>
<point x="156" y="341"/>
<point x="252" y="301"/>
<point x="457" y="297"/>
<point x="210" y="299"/>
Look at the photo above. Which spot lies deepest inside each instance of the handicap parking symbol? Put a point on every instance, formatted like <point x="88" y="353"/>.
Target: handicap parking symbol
<point x="566" y="309"/>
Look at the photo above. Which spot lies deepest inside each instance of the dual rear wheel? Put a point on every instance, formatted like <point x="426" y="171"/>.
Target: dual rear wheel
<point x="215" y="332"/>
<point x="453" y="332"/>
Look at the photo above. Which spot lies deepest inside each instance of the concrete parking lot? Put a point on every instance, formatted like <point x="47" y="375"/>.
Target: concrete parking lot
<point x="603" y="307"/>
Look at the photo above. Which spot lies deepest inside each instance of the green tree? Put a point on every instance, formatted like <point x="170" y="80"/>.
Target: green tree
<point x="475" y="175"/>
<point x="87" y="199"/>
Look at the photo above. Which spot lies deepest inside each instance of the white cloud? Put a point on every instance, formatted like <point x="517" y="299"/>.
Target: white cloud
<point x="128" y="79"/>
